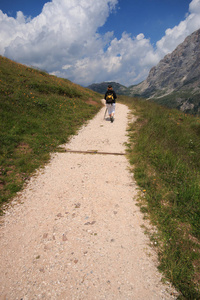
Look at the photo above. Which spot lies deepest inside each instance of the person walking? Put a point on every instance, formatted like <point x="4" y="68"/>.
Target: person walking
<point x="110" y="97"/>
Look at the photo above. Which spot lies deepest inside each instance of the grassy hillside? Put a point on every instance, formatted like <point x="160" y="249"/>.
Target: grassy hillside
<point x="164" y="150"/>
<point x="38" y="112"/>
<point x="184" y="100"/>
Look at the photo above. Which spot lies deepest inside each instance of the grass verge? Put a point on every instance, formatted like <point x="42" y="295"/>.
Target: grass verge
<point x="38" y="112"/>
<point x="164" y="150"/>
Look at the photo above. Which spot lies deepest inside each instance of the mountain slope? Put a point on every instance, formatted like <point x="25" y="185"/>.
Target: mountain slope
<point x="174" y="82"/>
<point x="38" y="112"/>
<point x="102" y="87"/>
<point x="176" y="79"/>
<point x="180" y="69"/>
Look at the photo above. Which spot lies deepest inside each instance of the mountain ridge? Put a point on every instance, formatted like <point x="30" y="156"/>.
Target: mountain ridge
<point x="102" y="87"/>
<point x="179" y="69"/>
<point x="174" y="81"/>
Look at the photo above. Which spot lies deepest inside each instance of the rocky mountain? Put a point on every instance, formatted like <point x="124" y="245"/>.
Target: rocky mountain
<point x="175" y="81"/>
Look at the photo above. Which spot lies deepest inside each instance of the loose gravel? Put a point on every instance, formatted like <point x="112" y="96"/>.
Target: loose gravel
<point x="74" y="232"/>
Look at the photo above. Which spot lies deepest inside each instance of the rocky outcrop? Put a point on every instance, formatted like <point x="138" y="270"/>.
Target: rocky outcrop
<point x="174" y="82"/>
<point x="179" y="70"/>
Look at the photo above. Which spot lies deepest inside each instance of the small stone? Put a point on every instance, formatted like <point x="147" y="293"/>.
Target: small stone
<point x="108" y="282"/>
<point x="45" y="235"/>
<point x="42" y="270"/>
<point x="64" y="238"/>
<point x="46" y="247"/>
<point x="90" y="223"/>
<point x="59" y="215"/>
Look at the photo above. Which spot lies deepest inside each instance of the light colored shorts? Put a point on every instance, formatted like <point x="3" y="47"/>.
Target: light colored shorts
<point x="111" y="108"/>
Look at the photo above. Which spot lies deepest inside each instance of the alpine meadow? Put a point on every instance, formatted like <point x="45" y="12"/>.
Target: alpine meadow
<point x="40" y="112"/>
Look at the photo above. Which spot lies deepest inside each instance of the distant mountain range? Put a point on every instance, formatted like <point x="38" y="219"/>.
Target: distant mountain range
<point x="174" y="82"/>
<point x="102" y="87"/>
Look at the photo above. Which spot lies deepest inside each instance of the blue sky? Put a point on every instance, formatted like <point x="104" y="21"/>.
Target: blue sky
<point x="91" y="41"/>
<point x="29" y="8"/>
<point x="151" y="17"/>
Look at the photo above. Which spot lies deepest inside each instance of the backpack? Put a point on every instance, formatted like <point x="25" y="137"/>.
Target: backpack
<point x="109" y="97"/>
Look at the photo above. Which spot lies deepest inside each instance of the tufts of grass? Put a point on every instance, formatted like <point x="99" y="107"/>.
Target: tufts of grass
<point x="38" y="112"/>
<point x="164" y="149"/>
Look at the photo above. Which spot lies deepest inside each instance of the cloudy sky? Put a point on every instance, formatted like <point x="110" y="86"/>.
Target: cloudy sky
<point x="91" y="41"/>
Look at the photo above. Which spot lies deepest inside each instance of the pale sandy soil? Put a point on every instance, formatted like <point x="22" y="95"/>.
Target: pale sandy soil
<point x="75" y="231"/>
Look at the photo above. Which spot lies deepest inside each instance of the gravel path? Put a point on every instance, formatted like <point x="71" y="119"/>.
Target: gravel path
<point x="75" y="232"/>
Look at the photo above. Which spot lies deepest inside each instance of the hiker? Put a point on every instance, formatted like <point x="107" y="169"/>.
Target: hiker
<point x="110" y="97"/>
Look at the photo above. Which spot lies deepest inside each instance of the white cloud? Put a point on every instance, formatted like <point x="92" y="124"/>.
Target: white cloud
<point x="194" y="7"/>
<point x="140" y="36"/>
<point x="173" y="37"/>
<point x="63" y="40"/>
<point x="64" y="32"/>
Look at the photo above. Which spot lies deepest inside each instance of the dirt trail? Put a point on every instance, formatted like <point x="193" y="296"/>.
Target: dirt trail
<point x="75" y="232"/>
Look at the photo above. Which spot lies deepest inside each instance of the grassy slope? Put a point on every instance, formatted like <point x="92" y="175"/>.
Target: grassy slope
<point x="38" y="112"/>
<point x="176" y="100"/>
<point x="165" y="152"/>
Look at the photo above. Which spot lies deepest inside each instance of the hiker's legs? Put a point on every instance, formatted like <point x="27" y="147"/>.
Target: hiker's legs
<point x="112" y="113"/>
<point x="109" y="107"/>
<point x="111" y="110"/>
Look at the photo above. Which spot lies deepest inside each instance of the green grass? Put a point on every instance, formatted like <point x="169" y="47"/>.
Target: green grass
<point x="38" y="112"/>
<point x="176" y="100"/>
<point x="164" y="150"/>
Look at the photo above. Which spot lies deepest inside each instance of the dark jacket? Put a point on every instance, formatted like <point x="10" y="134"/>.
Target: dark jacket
<point x="114" y="96"/>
